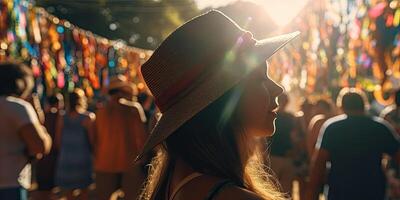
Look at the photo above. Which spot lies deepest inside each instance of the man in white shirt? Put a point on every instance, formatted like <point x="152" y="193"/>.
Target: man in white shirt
<point x="21" y="135"/>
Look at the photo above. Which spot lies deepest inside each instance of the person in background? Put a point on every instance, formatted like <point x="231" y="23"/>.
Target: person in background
<point x="119" y="134"/>
<point x="34" y="100"/>
<point x="73" y="138"/>
<point x="392" y="115"/>
<point x="324" y="110"/>
<point x="22" y="137"/>
<point x="392" y="112"/>
<point x="301" y="160"/>
<point x="354" y="144"/>
<point x="147" y="102"/>
<point x="303" y="117"/>
<point x="45" y="168"/>
<point x="282" y="145"/>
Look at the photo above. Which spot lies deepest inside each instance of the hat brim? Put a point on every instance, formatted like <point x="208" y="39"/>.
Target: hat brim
<point x="206" y="93"/>
<point x="267" y="47"/>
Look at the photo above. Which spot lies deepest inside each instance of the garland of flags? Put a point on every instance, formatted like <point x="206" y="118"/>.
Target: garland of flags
<point x="344" y="43"/>
<point x="63" y="56"/>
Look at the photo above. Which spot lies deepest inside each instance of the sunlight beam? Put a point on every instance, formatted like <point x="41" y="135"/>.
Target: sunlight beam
<point x="282" y="12"/>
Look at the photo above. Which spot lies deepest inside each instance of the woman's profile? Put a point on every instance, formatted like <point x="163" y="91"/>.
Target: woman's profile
<point x="210" y="81"/>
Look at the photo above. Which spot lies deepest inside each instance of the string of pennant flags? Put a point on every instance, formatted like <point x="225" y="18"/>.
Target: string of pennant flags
<point x="63" y="56"/>
<point x="344" y="43"/>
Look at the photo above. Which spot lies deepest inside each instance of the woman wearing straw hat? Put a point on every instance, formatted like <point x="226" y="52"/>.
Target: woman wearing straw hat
<point x="209" y="81"/>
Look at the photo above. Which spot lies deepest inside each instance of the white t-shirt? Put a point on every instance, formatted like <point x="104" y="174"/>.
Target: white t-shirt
<point x="14" y="114"/>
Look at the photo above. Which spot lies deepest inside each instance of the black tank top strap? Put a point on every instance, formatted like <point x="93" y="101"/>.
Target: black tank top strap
<point x="217" y="188"/>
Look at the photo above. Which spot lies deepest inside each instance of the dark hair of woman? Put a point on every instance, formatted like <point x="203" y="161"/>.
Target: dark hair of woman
<point x="213" y="142"/>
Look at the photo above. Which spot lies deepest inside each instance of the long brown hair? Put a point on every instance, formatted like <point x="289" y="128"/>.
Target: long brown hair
<point x="214" y="143"/>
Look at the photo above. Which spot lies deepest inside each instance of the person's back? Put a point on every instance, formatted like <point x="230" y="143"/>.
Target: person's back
<point x="356" y="145"/>
<point x="323" y="111"/>
<point x="74" y="166"/>
<point x="118" y="137"/>
<point x="45" y="168"/>
<point x="14" y="114"/>
<point x="73" y="136"/>
<point x="119" y="133"/>
<point x="22" y="137"/>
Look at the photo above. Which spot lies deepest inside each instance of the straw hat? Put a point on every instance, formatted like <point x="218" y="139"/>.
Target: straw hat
<point x="195" y="65"/>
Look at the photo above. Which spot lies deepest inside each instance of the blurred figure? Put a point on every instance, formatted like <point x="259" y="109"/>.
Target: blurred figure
<point x="22" y="137"/>
<point x="302" y="120"/>
<point x="282" y="145"/>
<point x="73" y="137"/>
<point x="34" y="100"/>
<point x="301" y="160"/>
<point x="392" y="113"/>
<point x="45" y="168"/>
<point x="303" y="117"/>
<point x="119" y="134"/>
<point x="323" y="111"/>
<point x="354" y="144"/>
<point x="55" y="103"/>
<point x="146" y="100"/>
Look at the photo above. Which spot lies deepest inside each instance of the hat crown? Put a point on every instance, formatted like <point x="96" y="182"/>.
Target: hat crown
<point x="204" y="40"/>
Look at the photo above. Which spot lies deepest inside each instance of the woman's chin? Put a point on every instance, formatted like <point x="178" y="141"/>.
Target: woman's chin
<point x="266" y="132"/>
<point x="269" y="129"/>
<point x="270" y="133"/>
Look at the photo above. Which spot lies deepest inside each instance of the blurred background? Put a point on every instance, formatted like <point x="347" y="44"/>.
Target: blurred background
<point x="72" y="44"/>
<point x="343" y="42"/>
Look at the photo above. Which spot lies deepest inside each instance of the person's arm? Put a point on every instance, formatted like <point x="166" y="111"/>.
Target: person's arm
<point x="317" y="175"/>
<point x="94" y="133"/>
<point x="58" y="129"/>
<point x="36" y="138"/>
<point x="35" y="102"/>
<point x="89" y="124"/>
<point x="313" y="136"/>
<point x="139" y="130"/>
<point x="31" y="132"/>
<point x="319" y="159"/>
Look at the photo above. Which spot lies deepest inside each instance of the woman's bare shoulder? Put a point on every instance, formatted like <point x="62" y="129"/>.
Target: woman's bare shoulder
<point x="237" y="193"/>
<point x="205" y="184"/>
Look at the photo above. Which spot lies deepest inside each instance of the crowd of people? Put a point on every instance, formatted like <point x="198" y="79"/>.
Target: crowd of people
<point x="66" y="144"/>
<point x="345" y="148"/>
<point x="225" y="131"/>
